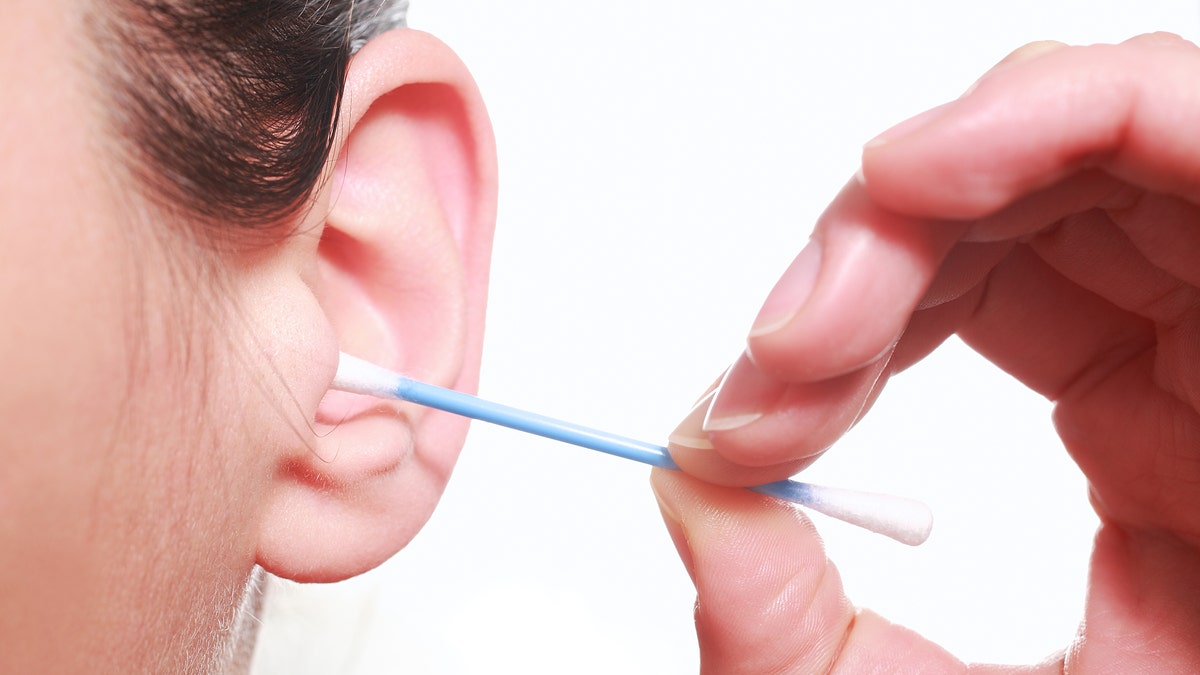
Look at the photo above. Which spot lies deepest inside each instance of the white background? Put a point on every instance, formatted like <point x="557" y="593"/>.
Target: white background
<point x="661" y="164"/>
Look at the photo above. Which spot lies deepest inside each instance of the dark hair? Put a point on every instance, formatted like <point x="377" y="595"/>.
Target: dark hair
<point x="225" y="110"/>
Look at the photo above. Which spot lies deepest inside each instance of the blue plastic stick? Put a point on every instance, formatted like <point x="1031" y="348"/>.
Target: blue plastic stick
<point x="476" y="408"/>
<point x="902" y="519"/>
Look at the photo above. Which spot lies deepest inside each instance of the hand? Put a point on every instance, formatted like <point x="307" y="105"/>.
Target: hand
<point x="1051" y="218"/>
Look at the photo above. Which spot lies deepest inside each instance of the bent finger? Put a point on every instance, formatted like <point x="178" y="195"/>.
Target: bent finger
<point x="847" y="297"/>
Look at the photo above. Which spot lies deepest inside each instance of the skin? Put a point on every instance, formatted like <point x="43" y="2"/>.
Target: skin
<point x="166" y="422"/>
<point x="1048" y="218"/>
<point x="150" y="463"/>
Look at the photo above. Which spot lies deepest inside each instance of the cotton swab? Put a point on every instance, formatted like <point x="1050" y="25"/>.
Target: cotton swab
<point x="905" y="520"/>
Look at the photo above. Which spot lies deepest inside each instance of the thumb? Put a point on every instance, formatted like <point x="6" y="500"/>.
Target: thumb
<point x="768" y="600"/>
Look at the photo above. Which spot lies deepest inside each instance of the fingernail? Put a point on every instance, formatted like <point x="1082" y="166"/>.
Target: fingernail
<point x="908" y="126"/>
<point x="743" y="397"/>
<point x="690" y="432"/>
<point x="790" y="292"/>
<point x="670" y="516"/>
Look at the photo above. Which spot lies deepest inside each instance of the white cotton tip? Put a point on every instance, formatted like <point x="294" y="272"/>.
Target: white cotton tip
<point x="906" y="520"/>
<point x="363" y="377"/>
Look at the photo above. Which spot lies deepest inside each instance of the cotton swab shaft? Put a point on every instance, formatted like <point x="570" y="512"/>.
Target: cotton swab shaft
<point x="902" y="519"/>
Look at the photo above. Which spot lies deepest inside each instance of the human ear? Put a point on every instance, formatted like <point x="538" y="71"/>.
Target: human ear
<point x="401" y="274"/>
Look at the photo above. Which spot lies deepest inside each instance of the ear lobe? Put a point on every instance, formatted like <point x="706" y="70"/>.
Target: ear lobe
<point x="402" y="267"/>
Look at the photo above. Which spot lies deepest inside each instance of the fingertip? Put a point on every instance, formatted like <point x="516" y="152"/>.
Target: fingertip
<point x="768" y="599"/>
<point x="1029" y="51"/>
<point x="666" y="493"/>
<point x="713" y="517"/>
<point x="664" y="483"/>
<point x="756" y="429"/>
<point x="846" y="299"/>
<point x="909" y="127"/>
<point x="788" y="296"/>
<point x="691" y="448"/>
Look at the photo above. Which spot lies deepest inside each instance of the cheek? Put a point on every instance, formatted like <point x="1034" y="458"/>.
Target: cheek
<point x="173" y="514"/>
<point x="126" y="503"/>
<point x="125" y="507"/>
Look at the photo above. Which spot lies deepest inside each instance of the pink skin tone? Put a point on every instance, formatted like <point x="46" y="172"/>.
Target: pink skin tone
<point x="161" y="441"/>
<point x="164" y="434"/>
<point x="1048" y="217"/>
